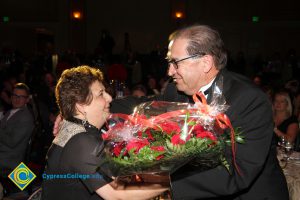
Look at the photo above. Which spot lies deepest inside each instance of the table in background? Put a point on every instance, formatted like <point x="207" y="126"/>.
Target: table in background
<point x="292" y="174"/>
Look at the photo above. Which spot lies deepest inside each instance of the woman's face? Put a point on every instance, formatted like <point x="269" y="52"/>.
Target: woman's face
<point x="280" y="103"/>
<point x="98" y="110"/>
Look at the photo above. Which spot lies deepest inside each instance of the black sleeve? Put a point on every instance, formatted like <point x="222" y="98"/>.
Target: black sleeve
<point x="127" y="104"/>
<point x="81" y="155"/>
<point x="285" y="124"/>
<point x="124" y="105"/>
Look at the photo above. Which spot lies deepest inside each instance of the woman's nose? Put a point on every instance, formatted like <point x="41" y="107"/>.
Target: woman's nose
<point x="108" y="98"/>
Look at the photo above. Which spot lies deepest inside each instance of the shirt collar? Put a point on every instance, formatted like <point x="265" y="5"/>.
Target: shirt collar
<point x="205" y="87"/>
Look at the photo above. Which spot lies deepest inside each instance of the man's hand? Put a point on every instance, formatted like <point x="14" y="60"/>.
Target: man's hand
<point x="57" y="125"/>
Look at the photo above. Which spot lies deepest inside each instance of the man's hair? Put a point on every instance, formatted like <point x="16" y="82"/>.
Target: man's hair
<point x="74" y="87"/>
<point x="204" y="39"/>
<point x="22" y="86"/>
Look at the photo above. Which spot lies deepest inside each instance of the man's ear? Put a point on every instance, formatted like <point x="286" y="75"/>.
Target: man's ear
<point x="208" y="63"/>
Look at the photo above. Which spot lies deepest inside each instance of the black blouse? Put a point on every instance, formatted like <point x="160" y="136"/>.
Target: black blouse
<point x="285" y="124"/>
<point x="75" y="165"/>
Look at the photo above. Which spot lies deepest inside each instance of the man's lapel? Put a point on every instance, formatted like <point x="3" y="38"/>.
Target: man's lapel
<point x="6" y="116"/>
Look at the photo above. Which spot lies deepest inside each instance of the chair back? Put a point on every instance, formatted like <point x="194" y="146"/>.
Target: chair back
<point x="37" y="195"/>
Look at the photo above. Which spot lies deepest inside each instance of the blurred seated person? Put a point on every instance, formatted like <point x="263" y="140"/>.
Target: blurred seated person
<point x="292" y="86"/>
<point x="152" y="87"/>
<point x="84" y="106"/>
<point x="257" y="80"/>
<point x="286" y="124"/>
<point x="163" y="82"/>
<point x="269" y="91"/>
<point x="15" y="130"/>
<point x="296" y="103"/>
<point x="6" y="89"/>
<point x="139" y="91"/>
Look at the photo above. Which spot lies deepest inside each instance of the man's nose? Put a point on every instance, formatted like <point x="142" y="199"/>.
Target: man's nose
<point x="171" y="70"/>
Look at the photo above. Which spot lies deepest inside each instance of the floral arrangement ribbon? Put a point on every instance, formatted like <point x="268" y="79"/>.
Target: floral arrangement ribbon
<point x="222" y="120"/>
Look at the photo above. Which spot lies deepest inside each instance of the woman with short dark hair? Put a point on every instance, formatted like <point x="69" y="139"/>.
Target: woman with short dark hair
<point x="72" y="160"/>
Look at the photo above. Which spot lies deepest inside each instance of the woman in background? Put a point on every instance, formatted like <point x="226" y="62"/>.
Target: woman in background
<point x="286" y="124"/>
<point x="84" y="107"/>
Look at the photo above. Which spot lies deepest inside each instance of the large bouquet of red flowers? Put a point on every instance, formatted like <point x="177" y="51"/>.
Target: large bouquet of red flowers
<point x="162" y="136"/>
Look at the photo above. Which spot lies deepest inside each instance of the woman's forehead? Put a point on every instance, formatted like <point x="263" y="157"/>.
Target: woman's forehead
<point x="97" y="85"/>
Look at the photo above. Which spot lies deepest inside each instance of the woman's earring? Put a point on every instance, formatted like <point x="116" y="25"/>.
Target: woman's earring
<point x="85" y="119"/>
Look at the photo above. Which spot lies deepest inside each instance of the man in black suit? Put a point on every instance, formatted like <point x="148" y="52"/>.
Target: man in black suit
<point x="15" y="130"/>
<point x="197" y="60"/>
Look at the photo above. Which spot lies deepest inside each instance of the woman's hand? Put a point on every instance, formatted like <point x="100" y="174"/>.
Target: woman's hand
<point x="133" y="192"/>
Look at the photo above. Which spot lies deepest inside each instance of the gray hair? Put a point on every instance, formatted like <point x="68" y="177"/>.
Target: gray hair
<point x="204" y="39"/>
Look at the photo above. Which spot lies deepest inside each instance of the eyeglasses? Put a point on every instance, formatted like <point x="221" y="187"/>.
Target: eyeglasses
<point x="19" y="96"/>
<point x="175" y="62"/>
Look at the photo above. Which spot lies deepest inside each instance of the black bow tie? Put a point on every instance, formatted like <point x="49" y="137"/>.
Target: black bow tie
<point x="206" y="92"/>
<point x="190" y="98"/>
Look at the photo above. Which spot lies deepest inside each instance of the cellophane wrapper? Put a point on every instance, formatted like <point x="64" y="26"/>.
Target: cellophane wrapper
<point x="159" y="137"/>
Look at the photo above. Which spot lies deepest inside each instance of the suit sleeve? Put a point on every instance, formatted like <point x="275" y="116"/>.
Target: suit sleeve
<point x="13" y="135"/>
<point x="251" y="111"/>
<point x="126" y="105"/>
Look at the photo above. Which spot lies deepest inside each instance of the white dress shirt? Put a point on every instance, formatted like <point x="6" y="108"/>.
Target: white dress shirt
<point x="205" y="87"/>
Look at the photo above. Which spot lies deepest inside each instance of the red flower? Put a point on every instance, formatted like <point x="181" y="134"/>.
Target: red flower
<point x="159" y="157"/>
<point x="177" y="140"/>
<point x="136" y="144"/>
<point x="140" y="134"/>
<point x="198" y="128"/>
<point x="206" y="134"/>
<point x="147" y="135"/>
<point x="105" y="136"/>
<point x="158" y="148"/>
<point x="170" y="127"/>
<point x="118" y="148"/>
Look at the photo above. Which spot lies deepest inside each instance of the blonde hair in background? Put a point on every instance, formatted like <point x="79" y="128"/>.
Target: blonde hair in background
<point x="287" y="98"/>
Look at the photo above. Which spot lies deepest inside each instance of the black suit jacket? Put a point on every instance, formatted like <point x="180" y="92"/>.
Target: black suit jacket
<point x="261" y="177"/>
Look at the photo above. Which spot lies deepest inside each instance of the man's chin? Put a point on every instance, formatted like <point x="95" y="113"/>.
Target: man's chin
<point x="183" y="89"/>
<point x="180" y="88"/>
